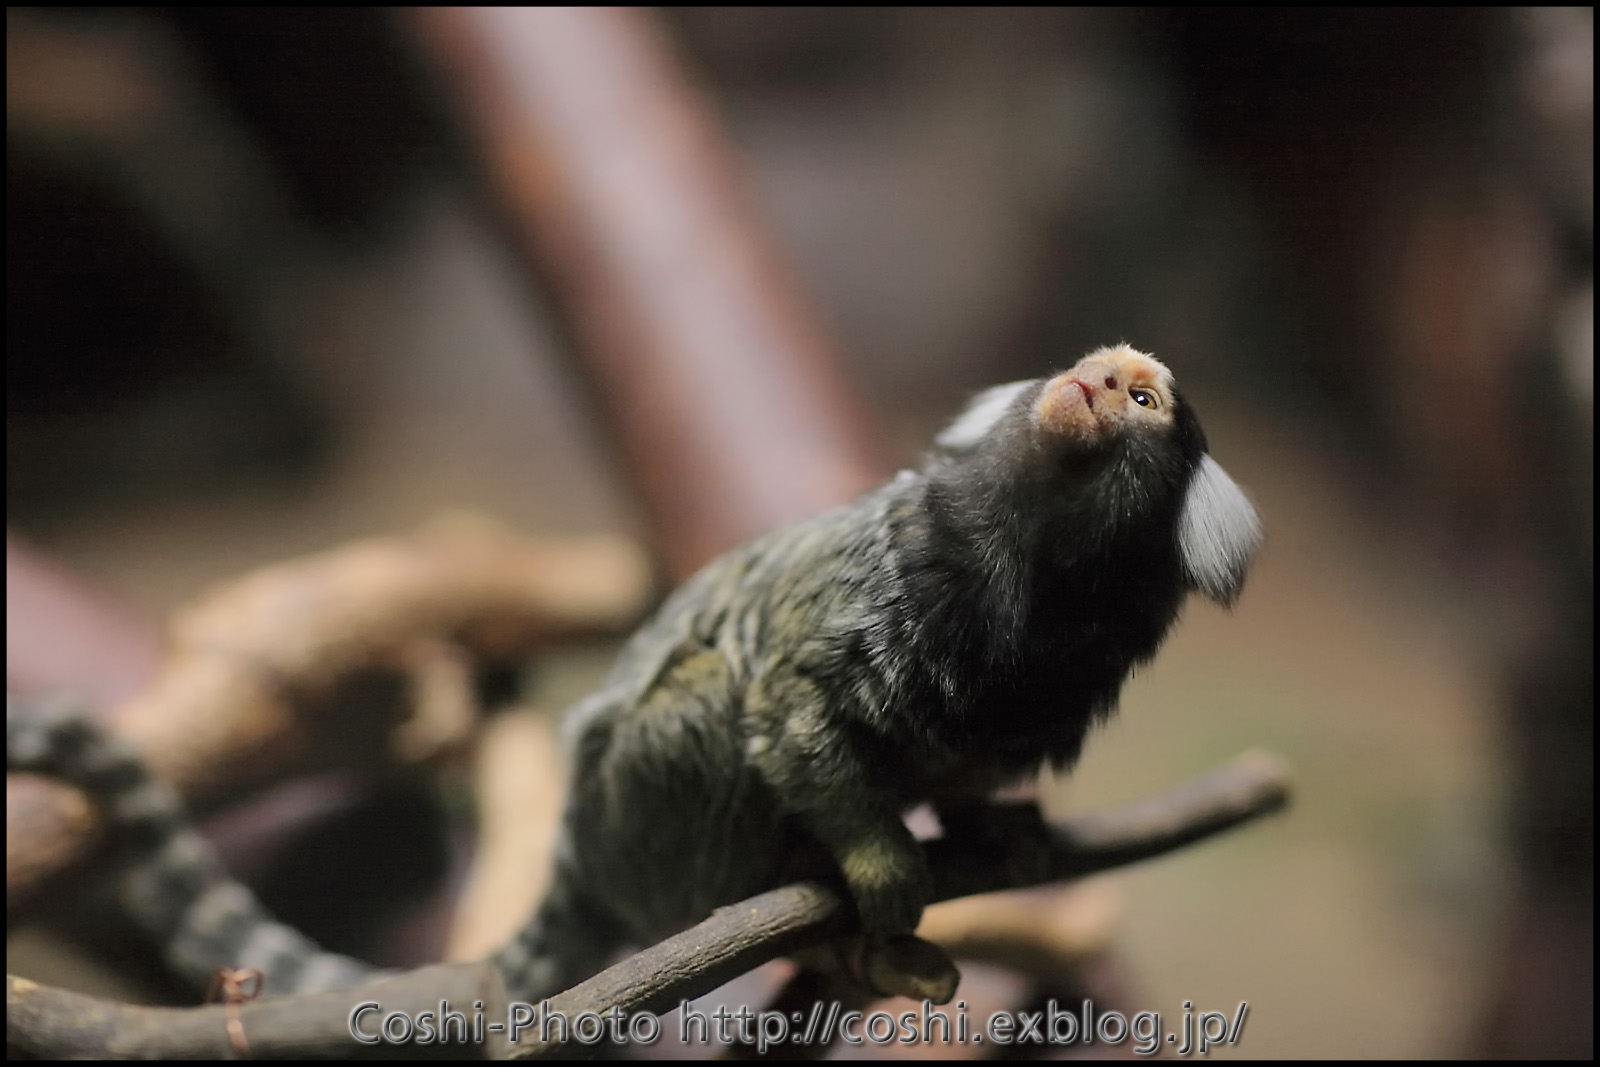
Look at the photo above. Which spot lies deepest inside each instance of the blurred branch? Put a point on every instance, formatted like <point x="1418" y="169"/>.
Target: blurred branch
<point x="42" y="1021"/>
<point x="50" y="826"/>
<point x="249" y="690"/>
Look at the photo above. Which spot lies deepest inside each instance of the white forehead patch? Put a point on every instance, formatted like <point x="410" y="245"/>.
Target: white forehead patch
<point x="1218" y="533"/>
<point x="981" y="415"/>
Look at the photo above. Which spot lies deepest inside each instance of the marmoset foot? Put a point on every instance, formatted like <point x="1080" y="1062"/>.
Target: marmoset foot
<point x="904" y="965"/>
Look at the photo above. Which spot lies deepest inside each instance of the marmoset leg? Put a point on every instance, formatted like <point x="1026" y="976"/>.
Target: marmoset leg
<point x="812" y="760"/>
<point x="809" y="756"/>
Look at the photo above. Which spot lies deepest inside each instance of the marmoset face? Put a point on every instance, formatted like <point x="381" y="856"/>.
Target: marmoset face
<point x="1119" y="445"/>
<point x="1106" y="394"/>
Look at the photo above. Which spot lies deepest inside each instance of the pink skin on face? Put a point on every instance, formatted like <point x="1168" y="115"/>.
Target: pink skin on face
<point x="1088" y="391"/>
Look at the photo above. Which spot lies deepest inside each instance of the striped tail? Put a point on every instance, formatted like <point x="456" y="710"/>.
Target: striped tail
<point x="169" y="883"/>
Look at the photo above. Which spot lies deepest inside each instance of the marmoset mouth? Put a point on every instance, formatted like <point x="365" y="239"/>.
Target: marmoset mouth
<point x="1060" y="412"/>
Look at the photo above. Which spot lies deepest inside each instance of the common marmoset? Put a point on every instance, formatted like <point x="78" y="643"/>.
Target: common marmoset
<point x="940" y="637"/>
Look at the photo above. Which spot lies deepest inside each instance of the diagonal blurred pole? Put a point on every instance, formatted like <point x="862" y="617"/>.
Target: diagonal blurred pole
<point x="624" y="197"/>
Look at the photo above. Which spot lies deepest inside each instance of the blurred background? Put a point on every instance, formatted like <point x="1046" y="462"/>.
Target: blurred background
<point x="279" y="279"/>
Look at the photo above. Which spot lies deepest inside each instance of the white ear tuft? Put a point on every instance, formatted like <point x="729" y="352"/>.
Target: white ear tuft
<point x="981" y="414"/>
<point x="1218" y="533"/>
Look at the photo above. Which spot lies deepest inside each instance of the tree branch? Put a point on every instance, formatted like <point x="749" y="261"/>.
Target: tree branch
<point x="46" y="1022"/>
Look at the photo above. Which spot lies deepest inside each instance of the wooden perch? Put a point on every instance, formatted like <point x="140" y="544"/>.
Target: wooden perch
<point x="55" y="1024"/>
<point x="46" y="1022"/>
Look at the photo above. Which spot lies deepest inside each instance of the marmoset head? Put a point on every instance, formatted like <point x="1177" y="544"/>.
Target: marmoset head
<point x="1112" y="445"/>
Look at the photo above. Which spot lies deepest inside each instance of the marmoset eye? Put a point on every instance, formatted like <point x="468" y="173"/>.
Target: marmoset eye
<point x="1145" y="398"/>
